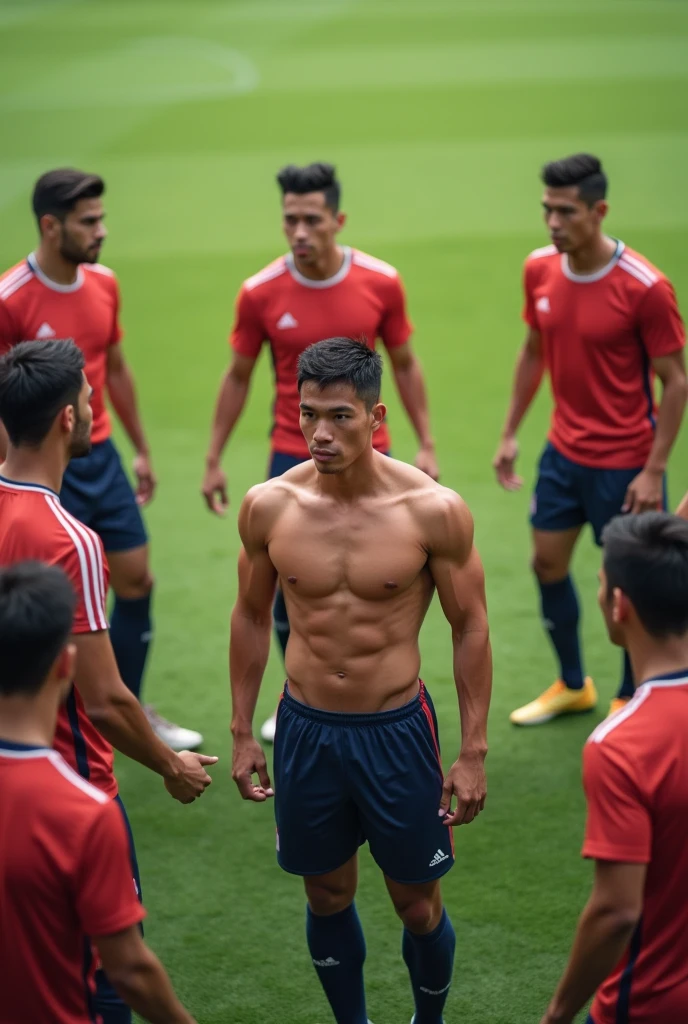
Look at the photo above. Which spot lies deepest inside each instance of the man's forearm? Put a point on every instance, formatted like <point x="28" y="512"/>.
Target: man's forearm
<point x="669" y="418"/>
<point x="122" y="392"/>
<point x="123" y="724"/>
<point x="249" y="648"/>
<point x="473" y="676"/>
<point x="682" y="509"/>
<point x="527" y="378"/>
<point x="230" y="403"/>
<point x="147" y="989"/>
<point x="601" y="939"/>
<point x="411" y="386"/>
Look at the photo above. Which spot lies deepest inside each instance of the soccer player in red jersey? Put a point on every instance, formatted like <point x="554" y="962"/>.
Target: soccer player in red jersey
<point x="65" y="872"/>
<point x="44" y="407"/>
<point x="320" y="289"/>
<point x="61" y="291"/>
<point x="631" y="946"/>
<point x="602" y="322"/>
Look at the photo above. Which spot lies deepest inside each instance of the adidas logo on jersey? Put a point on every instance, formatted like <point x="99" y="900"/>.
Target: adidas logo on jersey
<point x="45" y="331"/>
<point x="542" y="304"/>
<point x="438" y="858"/>
<point x="286" y="321"/>
<point x="330" y="962"/>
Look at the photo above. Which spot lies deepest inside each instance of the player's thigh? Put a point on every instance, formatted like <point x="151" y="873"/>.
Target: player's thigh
<point x="318" y="827"/>
<point x="334" y="891"/>
<point x="557" y="504"/>
<point x="397" y="777"/>
<point x="419" y="906"/>
<point x="130" y="575"/>
<point x="552" y="552"/>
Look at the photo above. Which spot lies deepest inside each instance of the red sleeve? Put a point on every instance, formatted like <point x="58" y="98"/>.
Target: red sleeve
<point x="396" y="328"/>
<point x="106" y="898"/>
<point x="529" y="314"/>
<point x="83" y="560"/>
<point x="661" y="326"/>
<point x="117" y="332"/>
<point x="8" y="330"/>
<point x="247" y="334"/>
<point x="618" y="825"/>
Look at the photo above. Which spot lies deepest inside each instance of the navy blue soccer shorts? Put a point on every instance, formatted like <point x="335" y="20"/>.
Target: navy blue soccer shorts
<point x="344" y="779"/>
<point x="97" y="492"/>
<point x="281" y="462"/>
<point x="568" y="494"/>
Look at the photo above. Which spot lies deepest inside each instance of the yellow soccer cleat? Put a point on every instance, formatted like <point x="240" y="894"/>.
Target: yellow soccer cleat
<point x="555" y="701"/>
<point x="617" y="704"/>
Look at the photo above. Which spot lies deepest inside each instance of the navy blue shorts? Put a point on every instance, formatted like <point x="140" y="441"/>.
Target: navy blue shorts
<point x="281" y="463"/>
<point x="342" y="779"/>
<point x="95" y="489"/>
<point x="568" y="494"/>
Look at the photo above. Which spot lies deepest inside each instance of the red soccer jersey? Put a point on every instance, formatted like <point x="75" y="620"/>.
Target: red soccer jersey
<point x="65" y="874"/>
<point x="364" y="299"/>
<point x="34" y="525"/>
<point x="34" y="308"/>
<point x="635" y="772"/>
<point x="600" y="333"/>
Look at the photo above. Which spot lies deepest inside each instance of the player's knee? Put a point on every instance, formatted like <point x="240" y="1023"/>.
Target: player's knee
<point x="419" y="916"/>
<point x="137" y="583"/>
<point x="325" y="900"/>
<point x="546" y="568"/>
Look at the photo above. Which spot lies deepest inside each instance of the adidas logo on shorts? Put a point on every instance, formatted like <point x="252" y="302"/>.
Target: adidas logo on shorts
<point x="330" y="962"/>
<point x="438" y="858"/>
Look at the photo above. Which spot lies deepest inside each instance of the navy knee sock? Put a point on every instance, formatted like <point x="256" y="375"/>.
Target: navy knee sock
<point x="280" y="621"/>
<point x="430" y="960"/>
<point x="560" y="613"/>
<point x="627" y="687"/>
<point x="338" y="950"/>
<point x="130" y="633"/>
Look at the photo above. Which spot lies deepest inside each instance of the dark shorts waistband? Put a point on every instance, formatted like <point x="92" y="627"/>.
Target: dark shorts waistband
<point x="412" y="707"/>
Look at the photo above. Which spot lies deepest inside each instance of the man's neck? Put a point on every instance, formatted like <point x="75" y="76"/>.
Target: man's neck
<point x="29" y="720"/>
<point x="55" y="266"/>
<point x="363" y="478"/>
<point x="652" y="659"/>
<point x="593" y="256"/>
<point x="31" y="466"/>
<point x="326" y="266"/>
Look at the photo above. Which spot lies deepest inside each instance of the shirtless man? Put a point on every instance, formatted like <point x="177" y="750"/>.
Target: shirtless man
<point x="359" y="542"/>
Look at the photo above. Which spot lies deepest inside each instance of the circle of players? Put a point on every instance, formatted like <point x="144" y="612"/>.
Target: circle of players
<point x="339" y="533"/>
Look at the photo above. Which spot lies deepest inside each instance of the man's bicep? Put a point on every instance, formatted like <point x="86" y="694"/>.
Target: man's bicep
<point x="460" y="584"/>
<point x="619" y="886"/>
<point x="96" y="673"/>
<point x="670" y="366"/>
<point x="257" y="582"/>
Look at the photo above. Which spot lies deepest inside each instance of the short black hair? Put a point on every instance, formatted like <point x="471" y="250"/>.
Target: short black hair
<point x="316" y="177"/>
<point x="59" y="191"/>
<point x="37" y="380"/>
<point x="37" y="605"/>
<point x="343" y="361"/>
<point x="646" y="557"/>
<point x="581" y="170"/>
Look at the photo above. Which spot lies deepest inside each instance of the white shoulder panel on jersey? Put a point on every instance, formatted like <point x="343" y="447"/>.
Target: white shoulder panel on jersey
<point x="98" y="268"/>
<point x="14" y="280"/>
<point x="636" y="268"/>
<point x="545" y="250"/>
<point x="273" y="270"/>
<point x="362" y="259"/>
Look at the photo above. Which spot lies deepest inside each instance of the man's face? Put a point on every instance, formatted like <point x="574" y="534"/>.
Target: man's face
<point x="571" y="223"/>
<point x="80" y="438"/>
<point x="611" y="611"/>
<point x="82" y="232"/>
<point x="310" y="226"/>
<point x="337" y="425"/>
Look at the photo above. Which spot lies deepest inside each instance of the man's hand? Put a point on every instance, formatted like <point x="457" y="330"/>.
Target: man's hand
<point x="248" y="760"/>
<point x="145" y="479"/>
<point x="193" y="779"/>
<point x="504" y="462"/>
<point x="214" y="490"/>
<point x="466" y="781"/>
<point x="645" y="493"/>
<point x="426" y="461"/>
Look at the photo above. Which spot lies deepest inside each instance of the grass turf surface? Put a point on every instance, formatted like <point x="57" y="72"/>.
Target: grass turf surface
<point x="438" y="115"/>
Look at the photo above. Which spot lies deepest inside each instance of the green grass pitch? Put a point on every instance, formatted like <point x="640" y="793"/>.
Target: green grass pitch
<point x="438" y="114"/>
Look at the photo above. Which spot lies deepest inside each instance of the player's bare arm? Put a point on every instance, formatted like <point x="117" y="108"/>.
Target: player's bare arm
<point x="604" y="931"/>
<point x="140" y="978"/>
<point x="645" y="493"/>
<point x="249" y="644"/>
<point x="122" y="392"/>
<point x="458" y="576"/>
<point x="682" y="509"/>
<point x="230" y="403"/>
<point x="530" y="367"/>
<point x="117" y="714"/>
<point x="408" y="375"/>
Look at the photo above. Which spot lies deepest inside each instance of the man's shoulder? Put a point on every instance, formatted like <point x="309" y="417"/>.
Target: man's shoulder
<point x="372" y="267"/>
<point x="438" y="508"/>
<point x="14" y="281"/>
<point x="639" y="273"/>
<point x="100" y="276"/>
<point x="271" y="273"/>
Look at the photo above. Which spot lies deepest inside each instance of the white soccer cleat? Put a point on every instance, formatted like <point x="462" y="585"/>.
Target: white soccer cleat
<point x="267" y="731"/>
<point x="173" y="735"/>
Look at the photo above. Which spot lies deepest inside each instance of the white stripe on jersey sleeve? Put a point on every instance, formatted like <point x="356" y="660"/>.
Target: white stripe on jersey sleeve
<point x="57" y="761"/>
<point x="90" y="587"/>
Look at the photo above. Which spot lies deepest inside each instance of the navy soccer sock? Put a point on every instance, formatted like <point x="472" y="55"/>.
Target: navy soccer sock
<point x="338" y="950"/>
<point x="560" y="613"/>
<point x="627" y="687"/>
<point x="430" y="960"/>
<point x="130" y="633"/>
<point x="280" y="621"/>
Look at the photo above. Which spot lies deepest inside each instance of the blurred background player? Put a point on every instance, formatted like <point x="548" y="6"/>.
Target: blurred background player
<point x="71" y="890"/>
<point x="320" y="289"/>
<point x="45" y="410"/>
<point x="602" y="321"/>
<point x="631" y="945"/>
<point x="682" y="509"/>
<point x="61" y="291"/>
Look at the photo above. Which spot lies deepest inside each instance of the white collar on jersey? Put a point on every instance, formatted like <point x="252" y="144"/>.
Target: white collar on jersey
<point x="329" y="282"/>
<point x="599" y="274"/>
<point x="49" y="283"/>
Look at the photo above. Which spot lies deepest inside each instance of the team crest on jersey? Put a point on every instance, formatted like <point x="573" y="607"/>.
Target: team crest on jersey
<point x="542" y="304"/>
<point x="286" y="321"/>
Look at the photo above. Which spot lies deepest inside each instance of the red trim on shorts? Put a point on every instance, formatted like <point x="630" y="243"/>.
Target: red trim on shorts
<point x="431" y="722"/>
